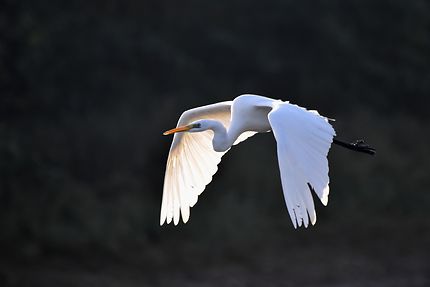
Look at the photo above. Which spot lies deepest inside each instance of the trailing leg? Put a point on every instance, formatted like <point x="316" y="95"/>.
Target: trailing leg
<point x="359" y="146"/>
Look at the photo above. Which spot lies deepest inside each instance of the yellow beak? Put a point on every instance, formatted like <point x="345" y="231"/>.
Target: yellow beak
<point x="178" y="129"/>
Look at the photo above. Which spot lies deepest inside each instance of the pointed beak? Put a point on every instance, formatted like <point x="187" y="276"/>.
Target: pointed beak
<point x="178" y="129"/>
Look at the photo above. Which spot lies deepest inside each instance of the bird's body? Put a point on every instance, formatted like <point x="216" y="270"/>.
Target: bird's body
<point x="204" y="134"/>
<point x="256" y="106"/>
<point x="241" y="121"/>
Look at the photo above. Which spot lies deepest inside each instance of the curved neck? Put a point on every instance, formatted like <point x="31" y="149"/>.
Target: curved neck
<point x="222" y="139"/>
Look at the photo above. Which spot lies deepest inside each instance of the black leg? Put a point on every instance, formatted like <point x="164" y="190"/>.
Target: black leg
<point x="359" y="146"/>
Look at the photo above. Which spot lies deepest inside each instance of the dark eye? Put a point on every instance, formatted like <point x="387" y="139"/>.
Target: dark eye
<point x="197" y="126"/>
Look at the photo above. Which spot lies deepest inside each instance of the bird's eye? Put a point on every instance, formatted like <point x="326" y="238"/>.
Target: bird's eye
<point x="197" y="126"/>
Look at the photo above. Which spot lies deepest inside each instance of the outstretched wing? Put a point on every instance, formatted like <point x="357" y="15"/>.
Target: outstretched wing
<point x="192" y="162"/>
<point x="303" y="140"/>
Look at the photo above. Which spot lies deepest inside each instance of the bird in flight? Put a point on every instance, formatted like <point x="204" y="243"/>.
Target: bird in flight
<point x="204" y="134"/>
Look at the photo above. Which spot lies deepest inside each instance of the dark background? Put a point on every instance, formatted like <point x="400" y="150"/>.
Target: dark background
<point x="87" y="88"/>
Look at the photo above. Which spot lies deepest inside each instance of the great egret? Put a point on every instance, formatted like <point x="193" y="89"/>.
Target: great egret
<point x="204" y="134"/>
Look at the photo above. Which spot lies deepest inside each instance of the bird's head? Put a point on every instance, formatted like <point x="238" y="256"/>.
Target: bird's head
<point x="194" y="127"/>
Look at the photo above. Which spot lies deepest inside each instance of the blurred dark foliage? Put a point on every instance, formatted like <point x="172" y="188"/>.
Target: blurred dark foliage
<point x="87" y="88"/>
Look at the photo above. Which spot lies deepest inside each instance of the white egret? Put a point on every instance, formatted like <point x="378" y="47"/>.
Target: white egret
<point x="204" y="134"/>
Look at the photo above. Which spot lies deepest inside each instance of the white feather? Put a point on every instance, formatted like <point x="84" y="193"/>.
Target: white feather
<point x="192" y="162"/>
<point x="303" y="141"/>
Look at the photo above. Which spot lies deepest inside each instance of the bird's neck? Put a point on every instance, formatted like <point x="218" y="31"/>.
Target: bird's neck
<point x="222" y="139"/>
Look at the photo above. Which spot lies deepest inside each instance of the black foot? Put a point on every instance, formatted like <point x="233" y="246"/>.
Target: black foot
<point x="359" y="146"/>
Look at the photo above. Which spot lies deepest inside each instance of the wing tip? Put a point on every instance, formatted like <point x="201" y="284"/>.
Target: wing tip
<point x="176" y="220"/>
<point x="324" y="197"/>
<point x="185" y="218"/>
<point x="314" y="220"/>
<point x="162" y="220"/>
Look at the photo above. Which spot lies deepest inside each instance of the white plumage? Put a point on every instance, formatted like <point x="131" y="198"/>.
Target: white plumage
<point x="204" y="134"/>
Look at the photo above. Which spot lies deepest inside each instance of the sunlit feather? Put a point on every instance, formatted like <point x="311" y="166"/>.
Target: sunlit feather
<point x="303" y="140"/>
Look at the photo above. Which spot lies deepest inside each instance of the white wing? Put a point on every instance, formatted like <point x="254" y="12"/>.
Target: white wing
<point x="192" y="162"/>
<point x="303" y="140"/>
